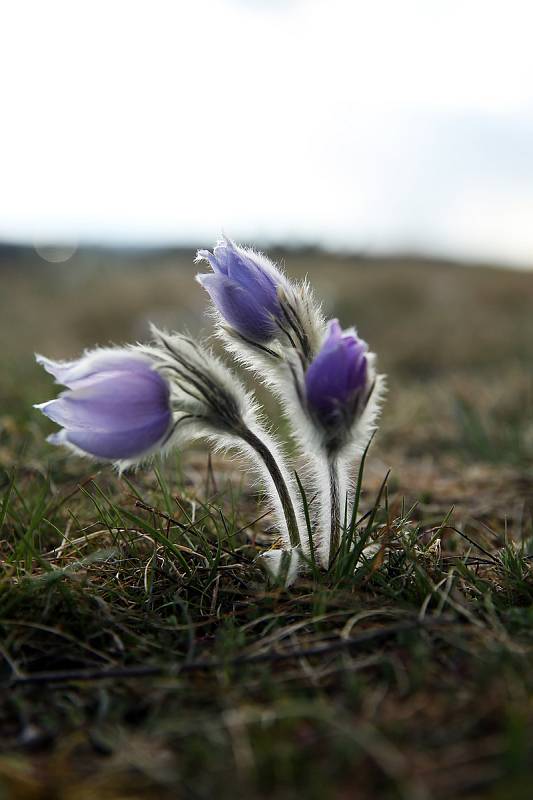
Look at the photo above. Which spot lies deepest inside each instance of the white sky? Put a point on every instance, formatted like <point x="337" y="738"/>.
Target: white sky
<point x="376" y="125"/>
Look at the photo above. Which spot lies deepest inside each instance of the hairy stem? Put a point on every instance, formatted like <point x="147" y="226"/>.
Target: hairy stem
<point x="281" y="487"/>
<point x="334" y="538"/>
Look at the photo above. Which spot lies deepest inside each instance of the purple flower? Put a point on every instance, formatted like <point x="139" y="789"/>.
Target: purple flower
<point x="336" y="379"/>
<point x="244" y="288"/>
<point x="117" y="406"/>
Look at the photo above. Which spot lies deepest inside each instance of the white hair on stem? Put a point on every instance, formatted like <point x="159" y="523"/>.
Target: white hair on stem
<point x="329" y="479"/>
<point x="282" y="565"/>
<point x="212" y="404"/>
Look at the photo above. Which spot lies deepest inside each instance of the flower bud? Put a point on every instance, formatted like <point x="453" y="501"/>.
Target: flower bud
<point x="336" y="380"/>
<point x="117" y="406"/>
<point x="244" y="288"/>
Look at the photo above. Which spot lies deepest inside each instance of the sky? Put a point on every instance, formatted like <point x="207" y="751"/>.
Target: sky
<point x="379" y="126"/>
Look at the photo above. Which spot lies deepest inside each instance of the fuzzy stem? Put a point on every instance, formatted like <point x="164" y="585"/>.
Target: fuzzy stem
<point x="334" y="538"/>
<point x="281" y="487"/>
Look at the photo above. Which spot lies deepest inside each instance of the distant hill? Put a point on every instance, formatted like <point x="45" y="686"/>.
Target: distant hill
<point x="95" y="257"/>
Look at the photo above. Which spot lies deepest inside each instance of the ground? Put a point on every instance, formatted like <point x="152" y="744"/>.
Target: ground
<point x="142" y="653"/>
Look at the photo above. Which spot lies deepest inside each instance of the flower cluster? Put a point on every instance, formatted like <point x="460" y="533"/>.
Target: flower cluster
<point x="126" y="404"/>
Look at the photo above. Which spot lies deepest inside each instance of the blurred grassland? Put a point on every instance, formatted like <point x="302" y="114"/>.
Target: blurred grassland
<point x="423" y="318"/>
<point x="408" y="679"/>
<point x="456" y="342"/>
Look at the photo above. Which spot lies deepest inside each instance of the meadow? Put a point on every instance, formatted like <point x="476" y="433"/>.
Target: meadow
<point x="142" y="654"/>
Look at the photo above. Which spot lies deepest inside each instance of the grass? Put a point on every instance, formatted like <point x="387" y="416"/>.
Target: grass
<point x="142" y="655"/>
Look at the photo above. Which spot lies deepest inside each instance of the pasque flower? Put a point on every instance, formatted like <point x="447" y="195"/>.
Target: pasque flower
<point x="324" y="378"/>
<point x="125" y="404"/>
<point x="338" y="385"/>
<point x="244" y="287"/>
<point x="117" y="407"/>
<point x="336" y="380"/>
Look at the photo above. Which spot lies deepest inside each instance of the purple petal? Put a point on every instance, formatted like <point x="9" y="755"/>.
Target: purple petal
<point x="243" y="270"/>
<point x="337" y="374"/>
<point x="113" y="401"/>
<point x="216" y="264"/>
<point x="357" y="372"/>
<point x="326" y="378"/>
<point x="69" y="373"/>
<point x="223" y="253"/>
<point x="118" y="406"/>
<point x="118" y="445"/>
<point x="242" y="309"/>
<point x="256" y="277"/>
<point x="334" y="331"/>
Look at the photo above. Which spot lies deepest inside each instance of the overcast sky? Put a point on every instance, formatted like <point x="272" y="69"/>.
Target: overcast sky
<point x="381" y="125"/>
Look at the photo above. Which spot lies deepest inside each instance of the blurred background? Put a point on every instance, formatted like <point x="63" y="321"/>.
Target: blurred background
<point x="384" y="148"/>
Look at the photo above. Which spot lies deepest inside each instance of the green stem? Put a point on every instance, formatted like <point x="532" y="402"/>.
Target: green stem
<point x="281" y="487"/>
<point x="334" y="539"/>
